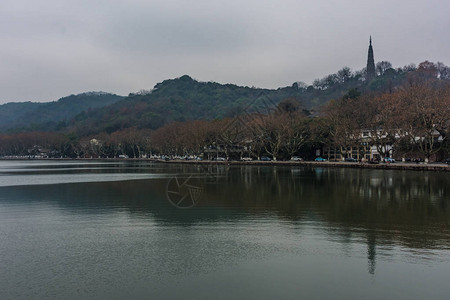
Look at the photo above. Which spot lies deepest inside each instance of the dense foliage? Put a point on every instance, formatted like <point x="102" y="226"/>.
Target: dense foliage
<point x="179" y="99"/>
<point x="51" y="116"/>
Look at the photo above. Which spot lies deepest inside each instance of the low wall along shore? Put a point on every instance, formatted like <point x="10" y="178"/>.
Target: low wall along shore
<point x="395" y="166"/>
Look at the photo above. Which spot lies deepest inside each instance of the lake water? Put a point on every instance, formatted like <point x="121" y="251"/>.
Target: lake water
<point x="142" y="230"/>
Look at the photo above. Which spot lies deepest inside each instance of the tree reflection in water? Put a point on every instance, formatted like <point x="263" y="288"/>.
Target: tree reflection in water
<point x="383" y="207"/>
<point x="380" y="209"/>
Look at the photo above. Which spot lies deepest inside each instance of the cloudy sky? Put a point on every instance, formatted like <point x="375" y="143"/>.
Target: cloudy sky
<point x="54" y="48"/>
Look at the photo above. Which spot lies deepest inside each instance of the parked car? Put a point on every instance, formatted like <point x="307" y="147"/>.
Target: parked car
<point x="320" y="159"/>
<point x="219" y="158"/>
<point x="388" y="160"/>
<point x="447" y="161"/>
<point x="246" y="159"/>
<point x="350" y="159"/>
<point x="296" y="158"/>
<point x="265" y="158"/>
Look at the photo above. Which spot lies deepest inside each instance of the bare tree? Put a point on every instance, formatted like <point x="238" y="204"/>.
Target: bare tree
<point x="382" y="66"/>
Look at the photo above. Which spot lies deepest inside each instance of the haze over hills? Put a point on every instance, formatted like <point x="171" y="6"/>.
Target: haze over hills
<point x="27" y="116"/>
<point x="184" y="98"/>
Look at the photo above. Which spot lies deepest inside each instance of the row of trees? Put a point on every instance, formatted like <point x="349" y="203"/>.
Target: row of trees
<point x="411" y="120"/>
<point x="281" y="134"/>
<point x="382" y="68"/>
<point x="130" y="142"/>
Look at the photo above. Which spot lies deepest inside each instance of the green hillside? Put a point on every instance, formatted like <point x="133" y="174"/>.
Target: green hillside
<point x="178" y="99"/>
<point x="51" y="116"/>
<point x="183" y="99"/>
<point x="11" y="113"/>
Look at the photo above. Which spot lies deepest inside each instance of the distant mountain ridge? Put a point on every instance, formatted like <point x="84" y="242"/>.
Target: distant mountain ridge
<point x="48" y="116"/>
<point x="184" y="98"/>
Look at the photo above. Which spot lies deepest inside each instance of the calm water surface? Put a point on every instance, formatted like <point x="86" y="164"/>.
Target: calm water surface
<point x="115" y="230"/>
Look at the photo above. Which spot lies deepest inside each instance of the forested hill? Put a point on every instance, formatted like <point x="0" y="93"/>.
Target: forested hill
<point x="51" y="116"/>
<point x="177" y="99"/>
<point x="184" y="98"/>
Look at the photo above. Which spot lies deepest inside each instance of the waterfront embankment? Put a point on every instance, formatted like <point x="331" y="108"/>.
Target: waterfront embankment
<point x="395" y="166"/>
<point x="442" y="167"/>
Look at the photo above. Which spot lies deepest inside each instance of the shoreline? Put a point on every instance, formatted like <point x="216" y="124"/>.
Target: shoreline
<point x="440" y="167"/>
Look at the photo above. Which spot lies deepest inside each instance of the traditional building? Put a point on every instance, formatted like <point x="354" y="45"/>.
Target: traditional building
<point x="370" y="69"/>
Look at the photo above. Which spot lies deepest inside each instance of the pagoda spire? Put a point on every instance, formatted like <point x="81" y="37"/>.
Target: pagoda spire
<point x="370" y="69"/>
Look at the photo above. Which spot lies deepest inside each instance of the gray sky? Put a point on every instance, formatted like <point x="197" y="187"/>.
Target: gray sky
<point x="54" y="48"/>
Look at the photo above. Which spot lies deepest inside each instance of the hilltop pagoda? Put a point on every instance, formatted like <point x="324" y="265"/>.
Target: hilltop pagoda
<point x="370" y="69"/>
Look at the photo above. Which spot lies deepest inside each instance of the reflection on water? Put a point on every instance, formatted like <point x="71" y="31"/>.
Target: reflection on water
<point x="381" y="208"/>
<point x="18" y="173"/>
<point x="255" y="232"/>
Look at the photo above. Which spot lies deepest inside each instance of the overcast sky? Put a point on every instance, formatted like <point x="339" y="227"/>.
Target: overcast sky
<point x="54" y="48"/>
